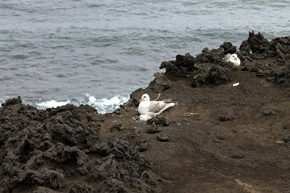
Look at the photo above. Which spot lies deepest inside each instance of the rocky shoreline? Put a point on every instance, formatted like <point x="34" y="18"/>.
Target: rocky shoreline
<point x="218" y="138"/>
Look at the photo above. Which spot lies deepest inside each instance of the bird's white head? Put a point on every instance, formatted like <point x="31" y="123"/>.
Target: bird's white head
<point x="145" y="97"/>
<point x="235" y="60"/>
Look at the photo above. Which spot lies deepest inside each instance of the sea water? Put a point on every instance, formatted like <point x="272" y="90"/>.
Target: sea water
<point x="56" y="52"/>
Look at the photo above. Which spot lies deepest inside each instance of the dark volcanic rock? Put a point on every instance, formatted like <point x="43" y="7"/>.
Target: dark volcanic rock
<point x="185" y="63"/>
<point x="154" y="129"/>
<point x="161" y="82"/>
<point x="117" y="127"/>
<point x="181" y="66"/>
<point x="280" y="47"/>
<point x="286" y="126"/>
<point x="228" y="48"/>
<point x="245" y="46"/>
<point x="249" y="66"/>
<point x="220" y="137"/>
<point x="269" y="112"/>
<point x="219" y="75"/>
<point x="12" y="101"/>
<point x="142" y="145"/>
<point x="282" y="77"/>
<point x="216" y="75"/>
<point x="82" y="187"/>
<point x="211" y="56"/>
<point x="262" y="49"/>
<point x="171" y="68"/>
<point x="225" y="117"/>
<point x="258" y="43"/>
<point x="48" y="149"/>
<point x="287" y="138"/>
<point x="207" y="68"/>
<point x="159" y="120"/>
<point x="163" y="137"/>
<point x="238" y="156"/>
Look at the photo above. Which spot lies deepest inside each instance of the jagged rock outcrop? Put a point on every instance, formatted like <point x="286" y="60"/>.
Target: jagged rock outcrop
<point x="54" y="149"/>
<point x="257" y="54"/>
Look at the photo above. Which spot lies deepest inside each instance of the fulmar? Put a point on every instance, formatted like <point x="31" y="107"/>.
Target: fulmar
<point x="148" y="109"/>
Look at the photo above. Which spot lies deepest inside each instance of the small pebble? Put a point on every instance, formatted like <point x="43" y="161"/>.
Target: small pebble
<point x="154" y="129"/>
<point x="163" y="137"/>
<point x="238" y="156"/>
<point x="268" y="112"/>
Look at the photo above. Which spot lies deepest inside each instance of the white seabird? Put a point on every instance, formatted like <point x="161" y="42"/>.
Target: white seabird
<point x="233" y="58"/>
<point x="152" y="108"/>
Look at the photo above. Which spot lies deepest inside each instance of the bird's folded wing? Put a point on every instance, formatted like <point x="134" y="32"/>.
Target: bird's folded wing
<point x="227" y="57"/>
<point x="167" y="100"/>
<point x="156" y="106"/>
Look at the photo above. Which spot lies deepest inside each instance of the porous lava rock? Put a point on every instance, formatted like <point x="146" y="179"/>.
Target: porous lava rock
<point x="159" y="120"/>
<point x="257" y="54"/>
<point x="161" y="83"/>
<point x="207" y="68"/>
<point x="181" y="66"/>
<point x="60" y="150"/>
<point x="228" y="47"/>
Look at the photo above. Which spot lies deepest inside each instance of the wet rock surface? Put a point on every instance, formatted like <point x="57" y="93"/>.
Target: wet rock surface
<point x="217" y="138"/>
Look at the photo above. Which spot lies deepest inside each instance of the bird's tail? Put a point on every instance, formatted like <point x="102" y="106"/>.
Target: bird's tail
<point x="166" y="107"/>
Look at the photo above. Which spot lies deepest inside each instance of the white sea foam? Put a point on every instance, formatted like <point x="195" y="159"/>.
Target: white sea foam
<point x="51" y="104"/>
<point x="103" y="105"/>
<point x="106" y="104"/>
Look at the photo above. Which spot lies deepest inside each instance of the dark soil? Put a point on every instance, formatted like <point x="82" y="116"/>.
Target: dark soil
<point x="217" y="138"/>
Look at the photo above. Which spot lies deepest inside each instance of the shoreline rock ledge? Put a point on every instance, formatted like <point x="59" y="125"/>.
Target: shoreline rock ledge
<point x="218" y="138"/>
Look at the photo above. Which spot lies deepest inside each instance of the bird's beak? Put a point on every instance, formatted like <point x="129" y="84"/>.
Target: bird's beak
<point x="140" y="101"/>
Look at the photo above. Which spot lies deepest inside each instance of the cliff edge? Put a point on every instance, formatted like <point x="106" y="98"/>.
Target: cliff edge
<point x="229" y="131"/>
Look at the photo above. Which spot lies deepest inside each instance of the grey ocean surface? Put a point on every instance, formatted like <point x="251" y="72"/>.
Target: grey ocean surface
<point x="54" y="52"/>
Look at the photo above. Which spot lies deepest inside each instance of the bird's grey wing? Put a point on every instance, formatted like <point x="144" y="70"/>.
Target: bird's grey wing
<point x="227" y="57"/>
<point x="156" y="106"/>
<point x="167" y="100"/>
